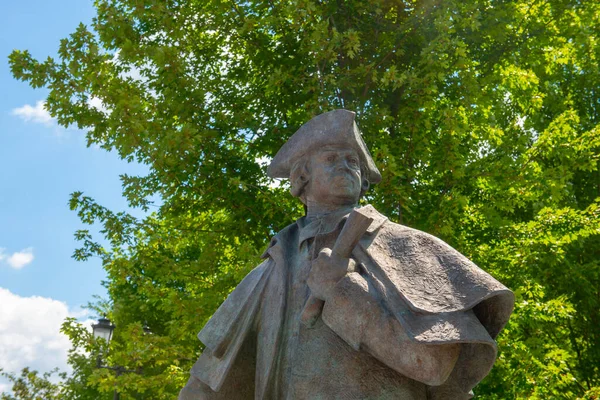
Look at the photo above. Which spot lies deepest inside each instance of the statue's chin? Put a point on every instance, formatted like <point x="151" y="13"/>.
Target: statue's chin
<point x="344" y="199"/>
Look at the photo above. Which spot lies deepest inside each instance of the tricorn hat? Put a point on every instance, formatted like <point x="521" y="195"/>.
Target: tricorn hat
<point x="333" y="128"/>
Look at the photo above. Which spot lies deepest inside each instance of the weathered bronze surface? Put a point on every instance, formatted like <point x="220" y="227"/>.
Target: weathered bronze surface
<point x="347" y="304"/>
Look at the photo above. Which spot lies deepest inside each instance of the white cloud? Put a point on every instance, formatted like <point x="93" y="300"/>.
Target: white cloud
<point x="37" y="113"/>
<point x="18" y="259"/>
<point x="29" y="333"/>
<point x="80" y="313"/>
<point x="4" y="387"/>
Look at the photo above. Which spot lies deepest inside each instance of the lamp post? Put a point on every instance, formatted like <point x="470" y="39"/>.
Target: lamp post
<point x="104" y="329"/>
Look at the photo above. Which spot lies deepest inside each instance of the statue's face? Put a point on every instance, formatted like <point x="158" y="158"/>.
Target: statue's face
<point x="334" y="177"/>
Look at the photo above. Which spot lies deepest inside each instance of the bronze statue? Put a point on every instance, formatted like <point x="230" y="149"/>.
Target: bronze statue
<point x="347" y="304"/>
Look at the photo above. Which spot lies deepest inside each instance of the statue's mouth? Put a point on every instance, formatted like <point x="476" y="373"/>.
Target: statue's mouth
<point x="343" y="179"/>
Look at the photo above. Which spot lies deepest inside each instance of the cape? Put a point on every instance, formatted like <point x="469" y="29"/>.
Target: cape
<point x="437" y="294"/>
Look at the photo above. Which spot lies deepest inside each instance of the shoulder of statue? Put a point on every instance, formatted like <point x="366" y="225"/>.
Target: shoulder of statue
<point x="396" y="237"/>
<point x="379" y="219"/>
<point x="383" y="224"/>
<point x="422" y="238"/>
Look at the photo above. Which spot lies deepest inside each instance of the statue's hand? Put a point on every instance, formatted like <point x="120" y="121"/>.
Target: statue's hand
<point x="327" y="269"/>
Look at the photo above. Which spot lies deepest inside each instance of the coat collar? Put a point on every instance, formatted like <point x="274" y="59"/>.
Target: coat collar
<point x="311" y="227"/>
<point x="318" y="226"/>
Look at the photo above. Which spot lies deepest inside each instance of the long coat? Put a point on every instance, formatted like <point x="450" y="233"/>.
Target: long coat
<point x="413" y="291"/>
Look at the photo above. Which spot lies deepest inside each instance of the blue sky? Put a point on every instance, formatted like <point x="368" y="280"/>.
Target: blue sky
<point x="40" y="165"/>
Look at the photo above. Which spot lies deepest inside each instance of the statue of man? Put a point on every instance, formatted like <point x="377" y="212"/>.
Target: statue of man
<point x="347" y="304"/>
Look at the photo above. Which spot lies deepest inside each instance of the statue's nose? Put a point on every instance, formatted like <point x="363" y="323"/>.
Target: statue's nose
<point x="343" y="165"/>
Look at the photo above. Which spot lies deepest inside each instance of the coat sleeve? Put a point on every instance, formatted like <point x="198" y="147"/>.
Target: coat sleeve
<point x="227" y="333"/>
<point x="417" y="301"/>
<point x="238" y="383"/>
<point x="360" y="319"/>
<point x="451" y="367"/>
<point x="195" y="389"/>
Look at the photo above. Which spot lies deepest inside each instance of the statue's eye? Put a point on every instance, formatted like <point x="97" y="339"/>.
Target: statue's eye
<point x="331" y="158"/>
<point x="353" y="161"/>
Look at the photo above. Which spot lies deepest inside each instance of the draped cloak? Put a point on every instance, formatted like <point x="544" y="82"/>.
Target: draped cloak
<point x="436" y="294"/>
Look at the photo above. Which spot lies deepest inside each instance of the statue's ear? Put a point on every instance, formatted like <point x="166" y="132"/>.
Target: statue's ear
<point x="299" y="177"/>
<point x="364" y="186"/>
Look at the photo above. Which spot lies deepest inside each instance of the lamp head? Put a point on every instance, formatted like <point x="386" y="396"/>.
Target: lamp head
<point x="103" y="329"/>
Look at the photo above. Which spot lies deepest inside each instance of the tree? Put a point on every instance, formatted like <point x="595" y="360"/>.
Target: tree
<point x="29" y="385"/>
<point x="482" y="116"/>
<point x="55" y="385"/>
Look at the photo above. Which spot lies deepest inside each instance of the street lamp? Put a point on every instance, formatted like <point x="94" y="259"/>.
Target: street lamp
<point x="104" y="329"/>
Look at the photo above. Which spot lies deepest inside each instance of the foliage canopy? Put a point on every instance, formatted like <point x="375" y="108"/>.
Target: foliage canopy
<point x="482" y="116"/>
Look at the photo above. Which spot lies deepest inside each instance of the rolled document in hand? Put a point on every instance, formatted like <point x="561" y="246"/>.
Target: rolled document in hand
<point x="355" y="227"/>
